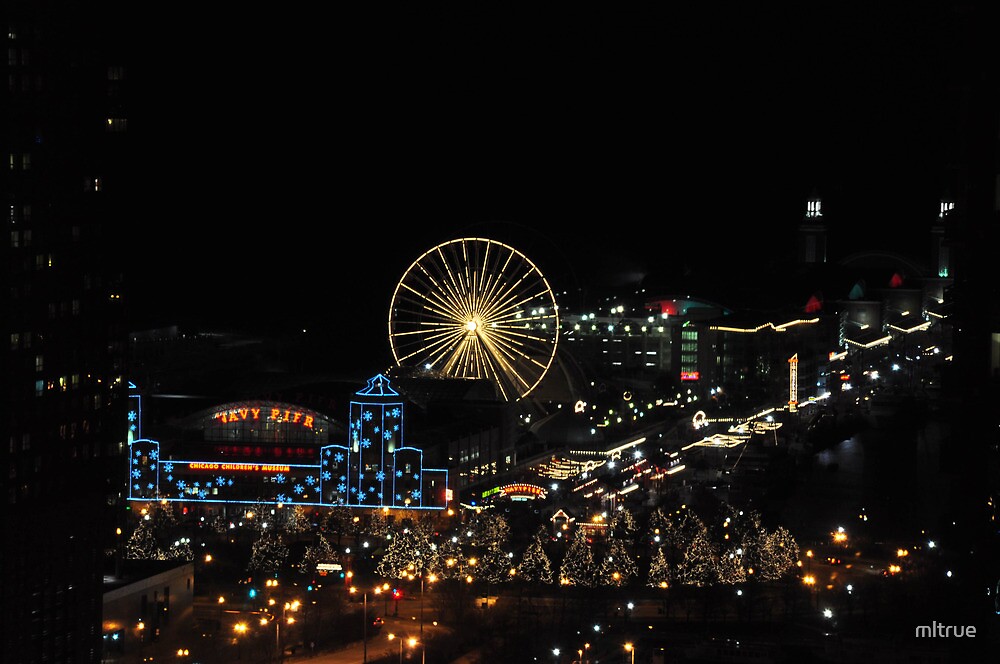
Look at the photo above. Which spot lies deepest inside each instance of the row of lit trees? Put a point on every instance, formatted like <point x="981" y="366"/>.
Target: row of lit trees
<point x="678" y="547"/>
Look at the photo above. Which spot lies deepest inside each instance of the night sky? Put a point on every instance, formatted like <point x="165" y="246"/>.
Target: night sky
<point x="300" y="163"/>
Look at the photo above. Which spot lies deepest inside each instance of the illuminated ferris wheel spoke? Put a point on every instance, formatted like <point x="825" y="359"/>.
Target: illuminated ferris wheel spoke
<point x="476" y="308"/>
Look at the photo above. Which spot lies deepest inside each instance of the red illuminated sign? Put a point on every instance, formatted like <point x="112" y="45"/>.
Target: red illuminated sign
<point x="277" y="415"/>
<point x="690" y="375"/>
<point x="524" y="490"/>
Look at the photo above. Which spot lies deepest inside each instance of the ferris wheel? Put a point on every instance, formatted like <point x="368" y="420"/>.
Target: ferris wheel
<point x="476" y="308"/>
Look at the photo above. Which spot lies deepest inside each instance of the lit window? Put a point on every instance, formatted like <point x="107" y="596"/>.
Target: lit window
<point x="39" y="362"/>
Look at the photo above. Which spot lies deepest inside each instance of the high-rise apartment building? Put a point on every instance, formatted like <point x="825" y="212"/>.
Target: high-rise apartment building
<point x="62" y="98"/>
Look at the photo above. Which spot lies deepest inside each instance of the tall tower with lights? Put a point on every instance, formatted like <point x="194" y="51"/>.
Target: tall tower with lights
<point x="812" y="233"/>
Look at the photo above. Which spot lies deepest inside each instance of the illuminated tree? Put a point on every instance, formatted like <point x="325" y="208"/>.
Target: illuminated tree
<point x="489" y="541"/>
<point x="535" y="563"/>
<point x="401" y="555"/>
<point x="623" y="523"/>
<point x="377" y="527"/>
<point x="319" y="551"/>
<point x="258" y="516"/>
<point x="578" y="568"/>
<point x="341" y="521"/>
<point x="697" y="565"/>
<point x="450" y="560"/>
<point x="142" y="545"/>
<point x="179" y="549"/>
<point x="778" y="555"/>
<point x="659" y="570"/>
<point x="617" y="567"/>
<point x="729" y="568"/>
<point x="292" y="519"/>
<point x="494" y="564"/>
<point x="268" y="553"/>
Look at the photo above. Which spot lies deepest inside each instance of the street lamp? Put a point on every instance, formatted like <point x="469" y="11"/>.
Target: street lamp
<point x="411" y="642"/>
<point x="423" y="646"/>
<point x="364" y="619"/>
<point x="631" y="649"/>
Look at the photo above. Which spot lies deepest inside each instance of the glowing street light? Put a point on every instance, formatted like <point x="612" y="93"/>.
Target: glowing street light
<point x="631" y="649"/>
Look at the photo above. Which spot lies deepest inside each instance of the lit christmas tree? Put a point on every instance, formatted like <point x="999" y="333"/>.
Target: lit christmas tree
<point x="697" y="566"/>
<point x="404" y="555"/>
<point x="578" y="568"/>
<point x="623" y="523"/>
<point x="729" y="568"/>
<point x="376" y="527"/>
<point x="268" y="553"/>
<point x="535" y="563"/>
<point x="617" y="568"/>
<point x="293" y="520"/>
<point x="319" y="551"/>
<point x="180" y="549"/>
<point x="659" y="570"/>
<point x="341" y="522"/>
<point x="494" y="564"/>
<point x="450" y="559"/>
<point x="142" y="544"/>
<point x="779" y="554"/>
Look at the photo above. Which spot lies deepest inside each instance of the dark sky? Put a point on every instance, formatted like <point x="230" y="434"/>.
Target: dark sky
<point x="299" y="163"/>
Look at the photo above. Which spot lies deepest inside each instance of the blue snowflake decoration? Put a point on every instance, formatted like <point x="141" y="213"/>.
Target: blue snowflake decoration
<point x="395" y="428"/>
<point x="376" y="429"/>
<point x="361" y="494"/>
<point x="170" y="478"/>
<point x="327" y="452"/>
<point x="282" y="498"/>
<point x="338" y="457"/>
<point x="202" y="494"/>
<point x="394" y="412"/>
<point x="135" y="486"/>
<point x="416" y="476"/>
<point x="399" y="497"/>
<point x="380" y="497"/>
<point x="298" y="488"/>
<point x="168" y="467"/>
<point x="229" y="482"/>
<point x="310" y="480"/>
<point x="132" y="416"/>
<point x="354" y="489"/>
<point x="138" y="453"/>
<point x="132" y="427"/>
<point x="341" y="488"/>
<point x="399" y="473"/>
<point x="279" y="478"/>
<point x="326" y="475"/>
<point x="365" y="443"/>
<point x="415" y="494"/>
<point x="367" y="415"/>
<point x="136" y="473"/>
<point x="343" y="478"/>
<point x="154" y="455"/>
<point x="150" y="486"/>
<point x="196" y="484"/>
<point x="181" y="485"/>
<point x="380" y="476"/>
<point x="220" y="480"/>
<point x="386" y="434"/>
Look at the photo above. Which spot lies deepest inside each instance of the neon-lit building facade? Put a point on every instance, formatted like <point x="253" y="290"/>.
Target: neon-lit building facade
<point x="275" y="452"/>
